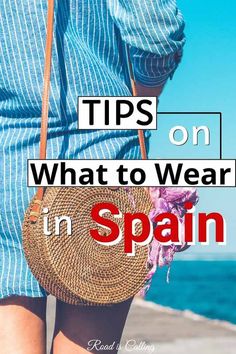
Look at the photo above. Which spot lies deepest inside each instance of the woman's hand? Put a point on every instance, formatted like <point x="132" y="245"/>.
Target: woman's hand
<point x="146" y="91"/>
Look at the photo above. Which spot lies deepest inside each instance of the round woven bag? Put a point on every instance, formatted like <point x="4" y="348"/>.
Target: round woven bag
<point x="75" y="268"/>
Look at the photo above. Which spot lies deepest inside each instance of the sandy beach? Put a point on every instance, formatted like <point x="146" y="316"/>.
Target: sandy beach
<point x="151" y="328"/>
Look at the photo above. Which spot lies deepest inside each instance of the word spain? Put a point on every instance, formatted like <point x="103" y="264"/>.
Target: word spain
<point x="146" y="173"/>
<point x="167" y="230"/>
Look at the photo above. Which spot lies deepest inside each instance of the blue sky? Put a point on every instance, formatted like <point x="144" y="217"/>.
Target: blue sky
<point x="206" y="81"/>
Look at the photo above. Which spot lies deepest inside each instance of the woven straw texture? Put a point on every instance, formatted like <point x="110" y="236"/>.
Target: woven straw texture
<point x="75" y="268"/>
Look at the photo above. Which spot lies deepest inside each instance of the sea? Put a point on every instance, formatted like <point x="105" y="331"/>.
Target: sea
<point x="205" y="287"/>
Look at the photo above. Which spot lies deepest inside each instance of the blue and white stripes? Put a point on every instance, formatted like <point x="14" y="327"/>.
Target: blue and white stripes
<point x="89" y="58"/>
<point x="154" y="32"/>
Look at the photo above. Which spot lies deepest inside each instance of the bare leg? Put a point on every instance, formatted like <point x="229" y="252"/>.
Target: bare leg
<point x="79" y="328"/>
<point x="22" y="325"/>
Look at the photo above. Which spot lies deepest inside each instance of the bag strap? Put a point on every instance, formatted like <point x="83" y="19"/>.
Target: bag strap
<point x="134" y="92"/>
<point x="35" y="210"/>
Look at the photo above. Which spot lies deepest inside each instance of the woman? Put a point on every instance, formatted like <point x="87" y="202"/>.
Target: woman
<point x="89" y="59"/>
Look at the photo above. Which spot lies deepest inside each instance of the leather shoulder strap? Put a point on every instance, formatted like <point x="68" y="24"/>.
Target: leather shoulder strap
<point x="46" y="80"/>
<point x="35" y="209"/>
<point x="134" y="92"/>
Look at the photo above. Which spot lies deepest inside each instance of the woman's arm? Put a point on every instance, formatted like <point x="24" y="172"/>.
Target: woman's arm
<point x="153" y="29"/>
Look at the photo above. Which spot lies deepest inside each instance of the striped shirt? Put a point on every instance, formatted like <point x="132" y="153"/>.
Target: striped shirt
<point x="89" y="59"/>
